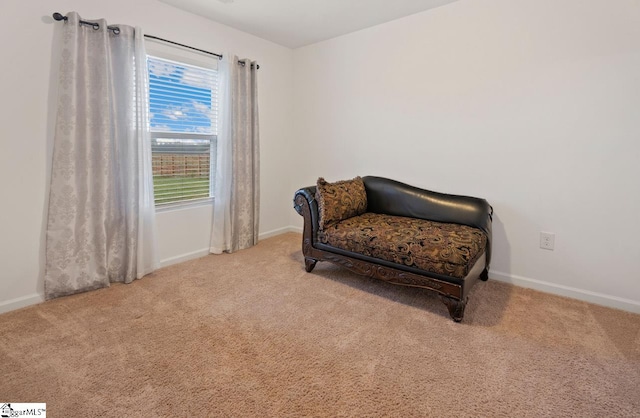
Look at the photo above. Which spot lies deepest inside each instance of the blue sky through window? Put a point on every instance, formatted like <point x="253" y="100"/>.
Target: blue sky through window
<point x="180" y="97"/>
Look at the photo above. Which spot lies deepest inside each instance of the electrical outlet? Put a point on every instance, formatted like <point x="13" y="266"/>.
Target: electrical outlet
<point x="547" y="240"/>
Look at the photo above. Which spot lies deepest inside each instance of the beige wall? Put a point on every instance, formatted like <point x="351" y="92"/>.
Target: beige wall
<point x="532" y="104"/>
<point x="26" y="125"/>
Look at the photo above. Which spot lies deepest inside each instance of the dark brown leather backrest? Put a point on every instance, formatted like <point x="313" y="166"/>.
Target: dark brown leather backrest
<point x="394" y="198"/>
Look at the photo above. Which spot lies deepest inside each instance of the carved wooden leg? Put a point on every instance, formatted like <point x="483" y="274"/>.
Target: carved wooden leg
<point x="484" y="276"/>
<point x="456" y="307"/>
<point x="309" y="263"/>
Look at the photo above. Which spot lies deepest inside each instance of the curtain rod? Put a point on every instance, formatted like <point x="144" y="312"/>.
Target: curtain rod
<point x="116" y="30"/>
<point x="183" y="45"/>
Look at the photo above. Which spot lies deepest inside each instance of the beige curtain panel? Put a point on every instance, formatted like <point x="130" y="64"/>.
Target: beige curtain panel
<point x="237" y="190"/>
<point x="101" y="222"/>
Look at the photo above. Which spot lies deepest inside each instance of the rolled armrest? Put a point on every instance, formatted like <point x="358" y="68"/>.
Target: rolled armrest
<point x="309" y="196"/>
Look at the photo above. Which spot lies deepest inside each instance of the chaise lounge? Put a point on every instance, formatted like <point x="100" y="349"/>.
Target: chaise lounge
<point x="402" y="234"/>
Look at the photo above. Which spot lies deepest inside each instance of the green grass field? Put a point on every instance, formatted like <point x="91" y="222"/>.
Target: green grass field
<point x="168" y="189"/>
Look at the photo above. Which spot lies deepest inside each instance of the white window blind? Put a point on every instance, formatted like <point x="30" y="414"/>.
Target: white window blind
<point x="183" y="120"/>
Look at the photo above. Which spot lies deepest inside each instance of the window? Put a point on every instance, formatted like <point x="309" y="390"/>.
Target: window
<point x="183" y="121"/>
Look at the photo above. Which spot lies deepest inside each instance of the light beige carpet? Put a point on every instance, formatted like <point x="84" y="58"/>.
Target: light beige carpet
<point x="253" y="334"/>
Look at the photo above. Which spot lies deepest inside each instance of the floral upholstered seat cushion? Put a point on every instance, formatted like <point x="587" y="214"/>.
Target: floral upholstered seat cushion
<point x="340" y="200"/>
<point x="443" y="248"/>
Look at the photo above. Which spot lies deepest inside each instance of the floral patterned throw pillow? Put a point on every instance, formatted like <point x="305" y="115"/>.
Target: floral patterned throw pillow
<point x="340" y="200"/>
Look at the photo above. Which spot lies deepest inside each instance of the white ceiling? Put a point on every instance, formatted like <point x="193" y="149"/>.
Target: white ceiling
<point x="296" y="23"/>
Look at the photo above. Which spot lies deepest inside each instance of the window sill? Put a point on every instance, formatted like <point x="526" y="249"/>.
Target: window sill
<point x="170" y="207"/>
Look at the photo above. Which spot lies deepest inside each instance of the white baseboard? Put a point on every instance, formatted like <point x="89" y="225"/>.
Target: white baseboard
<point x="279" y="231"/>
<point x="205" y="251"/>
<point x="567" y="291"/>
<point x="184" y="257"/>
<point x="547" y="287"/>
<point x="553" y="288"/>
<point x="24" y="301"/>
